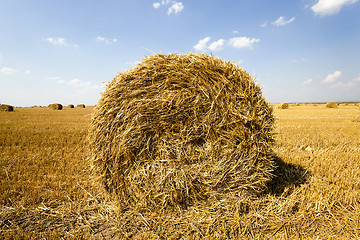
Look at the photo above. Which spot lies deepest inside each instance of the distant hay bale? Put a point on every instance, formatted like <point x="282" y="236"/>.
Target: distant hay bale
<point x="6" y="108"/>
<point x="56" y="106"/>
<point x="297" y="104"/>
<point x="182" y="130"/>
<point x="81" y="106"/>
<point x="331" y="105"/>
<point x="70" y="106"/>
<point x="283" y="105"/>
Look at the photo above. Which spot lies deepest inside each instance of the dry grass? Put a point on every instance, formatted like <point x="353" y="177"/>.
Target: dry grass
<point x="182" y="132"/>
<point x="6" y="108"/>
<point x="55" y="106"/>
<point x="47" y="193"/>
<point x="331" y="105"/>
<point x="283" y="106"/>
<point x="357" y="118"/>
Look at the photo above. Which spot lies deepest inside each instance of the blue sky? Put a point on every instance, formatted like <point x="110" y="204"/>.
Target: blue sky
<point x="65" y="51"/>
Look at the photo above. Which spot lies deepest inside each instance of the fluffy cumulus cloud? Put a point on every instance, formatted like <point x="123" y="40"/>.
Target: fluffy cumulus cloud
<point x="175" y="8"/>
<point x="215" y="46"/>
<point x="347" y="85"/>
<point x="76" y="83"/>
<point x="8" y="71"/>
<point x="172" y="6"/>
<point x="332" y="77"/>
<point x="236" y="42"/>
<point x="242" y="42"/>
<point x="57" y="41"/>
<point x="106" y="40"/>
<point x="307" y="82"/>
<point x="281" y="21"/>
<point x="202" y="44"/>
<point x="329" y="7"/>
<point x="156" y="5"/>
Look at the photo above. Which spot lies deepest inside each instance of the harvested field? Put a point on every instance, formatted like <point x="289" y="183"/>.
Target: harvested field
<point x="46" y="191"/>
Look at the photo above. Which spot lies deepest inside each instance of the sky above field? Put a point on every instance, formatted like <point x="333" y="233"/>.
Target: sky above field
<point x="66" y="51"/>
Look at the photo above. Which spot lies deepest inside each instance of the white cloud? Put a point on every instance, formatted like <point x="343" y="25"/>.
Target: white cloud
<point x="156" y="5"/>
<point x="78" y="83"/>
<point x="356" y="79"/>
<point x="350" y="84"/>
<point x="106" y="40"/>
<point x="57" y="41"/>
<point x="235" y="32"/>
<point x="27" y="72"/>
<point x="201" y="45"/>
<point x="307" y="81"/>
<point x="329" y="7"/>
<point x="175" y="8"/>
<point x="215" y="46"/>
<point x="281" y="21"/>
<point x="264" y="24"/>
<point x="61" y="82"/>
<point x="8" y="71"/>
<point x="332" y="77"/>
<point x="242" y="42"/>
<point x="299" y="60"/>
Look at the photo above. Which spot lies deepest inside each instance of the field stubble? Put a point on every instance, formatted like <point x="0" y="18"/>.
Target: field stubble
<point x="47" y="189"/>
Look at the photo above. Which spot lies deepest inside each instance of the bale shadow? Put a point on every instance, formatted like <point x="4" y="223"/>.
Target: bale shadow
<point x="286" y="176"/>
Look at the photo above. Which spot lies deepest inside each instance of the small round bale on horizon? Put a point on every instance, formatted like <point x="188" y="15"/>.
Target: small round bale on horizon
<point x="70" y="106"/>
<point x="56" y="106"/>
<point x="283" y="105"/>
<point x="81" y="106"/>
<point x="178" y="129"/>
<point x="331" y="105"/>
<point x="6" y="108"/>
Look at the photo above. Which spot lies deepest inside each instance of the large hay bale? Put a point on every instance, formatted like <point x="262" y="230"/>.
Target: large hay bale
<point x="331" y="105"/>
<point x="56" y="106"/>
<point x="283" y="105"/>
<point x="81" y="106"/>
<point x="6" y="108"/>
<point x="70" y="106"/>
<point x="177" y="130"/>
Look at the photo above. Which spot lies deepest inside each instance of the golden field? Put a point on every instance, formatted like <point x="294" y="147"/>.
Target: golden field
<point x="47" y="190"/>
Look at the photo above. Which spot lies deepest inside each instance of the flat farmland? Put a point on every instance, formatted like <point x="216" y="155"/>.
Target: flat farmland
<point x="48" y="190"/>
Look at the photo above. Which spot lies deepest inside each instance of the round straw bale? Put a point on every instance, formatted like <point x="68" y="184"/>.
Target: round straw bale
<point x="70" y="106"/>
<point x="331" y="105"/>
<point x="283" y="106"/>
<point x="56" y="106"/>
<point x="297" y="104"/>
<point x="6" y="108"/>
<point x="182" y="128"/>
<point x="81" y="106"/>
